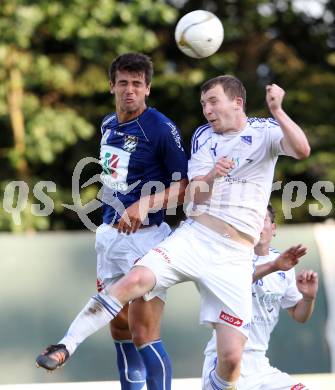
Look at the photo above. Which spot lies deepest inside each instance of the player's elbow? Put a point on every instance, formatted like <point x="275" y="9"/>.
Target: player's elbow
<point x="303" y="152"/>
<point x="302" y="317"/>
<point x="301" y="320"/>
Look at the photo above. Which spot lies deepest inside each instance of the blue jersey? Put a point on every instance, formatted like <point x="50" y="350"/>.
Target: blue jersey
<point x="138" y="158"/>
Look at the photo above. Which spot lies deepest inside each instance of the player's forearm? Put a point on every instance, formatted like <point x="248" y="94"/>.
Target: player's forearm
<point x="170" y="197"/>
<point x="263" y="270"/>
<point x="200" y="188"/>
<point x="295" y="142"/>
<point x="303" y="309"/>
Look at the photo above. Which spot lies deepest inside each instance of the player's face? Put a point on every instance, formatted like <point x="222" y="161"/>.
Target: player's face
<point x="219" y="110"/>
<point x="268" y="231"/>
<point x="130" y="90"/>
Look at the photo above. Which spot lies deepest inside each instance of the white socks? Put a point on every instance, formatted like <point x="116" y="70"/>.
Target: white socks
<point x="218" y="383"/>
<point x="97" y="313"/>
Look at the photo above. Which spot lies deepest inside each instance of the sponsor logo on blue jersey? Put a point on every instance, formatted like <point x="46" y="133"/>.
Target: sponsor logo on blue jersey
<point x="130" y="143"/>
<point x="175" y="135"/>
<point x="110" y="163"/>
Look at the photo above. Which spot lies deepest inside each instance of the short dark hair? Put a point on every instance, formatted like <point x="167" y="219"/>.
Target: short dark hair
<point x="231" y="85"/>
<point x="272" y="212"/>
<point x="132" y="62"/>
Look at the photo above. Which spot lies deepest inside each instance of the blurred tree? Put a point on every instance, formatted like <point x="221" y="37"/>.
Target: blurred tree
<point x="288" y="42"/>
<point x="54" y="58"/>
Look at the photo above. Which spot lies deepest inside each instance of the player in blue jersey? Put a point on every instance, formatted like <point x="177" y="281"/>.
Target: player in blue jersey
<point x="144" y="167"/>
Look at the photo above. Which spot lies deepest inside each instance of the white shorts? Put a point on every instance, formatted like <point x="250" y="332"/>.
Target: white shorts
<point x="117" y="252"/>
<point x="221" y="268"/>
<point x="256" y="374"/>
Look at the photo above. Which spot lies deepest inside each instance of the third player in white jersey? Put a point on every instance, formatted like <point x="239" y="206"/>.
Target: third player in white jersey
<point x="270" y="294"/>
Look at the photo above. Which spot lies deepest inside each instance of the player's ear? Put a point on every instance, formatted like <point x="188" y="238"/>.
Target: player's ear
<point x="111" y="87"/>
<point x="239" y="102"/>
<point x="147" y="93"/>
<point x="274" y="227"/>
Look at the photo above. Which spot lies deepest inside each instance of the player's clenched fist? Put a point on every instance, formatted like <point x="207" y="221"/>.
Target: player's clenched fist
<point x="222" y="167"/>
<point x="274" y="97"/>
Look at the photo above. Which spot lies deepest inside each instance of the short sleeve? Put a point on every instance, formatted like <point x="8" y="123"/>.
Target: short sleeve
<point x="275" y="135"/>
<point x="172" y="151"/>
<point x="292" y="295"/>
<point x="106" y="120"/>
<point x="201" y="162"/>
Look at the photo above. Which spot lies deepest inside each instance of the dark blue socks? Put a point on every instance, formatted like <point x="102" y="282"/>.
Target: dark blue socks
<point x="130" y="365"/>
<point x="158" y="366"/>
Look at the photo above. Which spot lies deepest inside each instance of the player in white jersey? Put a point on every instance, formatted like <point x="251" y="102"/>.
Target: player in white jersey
<point x="270" y="293"/>
<point x="214" y="247"/>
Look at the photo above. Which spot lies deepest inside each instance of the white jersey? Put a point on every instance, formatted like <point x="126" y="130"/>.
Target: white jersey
<point x="269" y="294"/>
<point x="241" y="197"/>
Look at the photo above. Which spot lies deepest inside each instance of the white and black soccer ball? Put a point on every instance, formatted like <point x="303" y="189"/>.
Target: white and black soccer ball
<point x="199" y="34"/>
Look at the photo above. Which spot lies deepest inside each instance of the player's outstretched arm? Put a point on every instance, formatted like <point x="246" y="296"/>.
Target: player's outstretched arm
<point x="295" y="142"/>
<point x="135" y="214"/>
<point x="307" y="284"/>
<point x="284" y="262"/>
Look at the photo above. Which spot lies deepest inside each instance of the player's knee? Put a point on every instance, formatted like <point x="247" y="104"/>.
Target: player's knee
<point x="140" y="278"/>
<point x="145" y="319"/>
<point x="144" y="330"/>
<point x="120" y="334"/>
<point x="143" y="334"/>
<point x="229" y="359"/>
<point x="119" y="327"/>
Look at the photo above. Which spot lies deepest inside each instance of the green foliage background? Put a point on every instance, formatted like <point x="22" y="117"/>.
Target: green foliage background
<point x="54" y="58"/>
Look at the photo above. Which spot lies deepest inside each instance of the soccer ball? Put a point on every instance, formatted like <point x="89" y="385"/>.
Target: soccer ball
<point x="199" y="34"/>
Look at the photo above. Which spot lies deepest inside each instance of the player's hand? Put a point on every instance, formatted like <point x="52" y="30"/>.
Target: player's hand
<point x="222" y="167"/>
<point x="133" y="216"/>
<point x="274" y="97"/>
<point x="307" y="283"/>
<point x="290" y="258"/>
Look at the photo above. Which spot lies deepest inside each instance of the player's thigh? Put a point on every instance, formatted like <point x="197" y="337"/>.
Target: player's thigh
<point x="230" y="342"/>
<point x="145" y="319"/>
<point x="173" y="260"/>
<point x="225" y="286"/>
